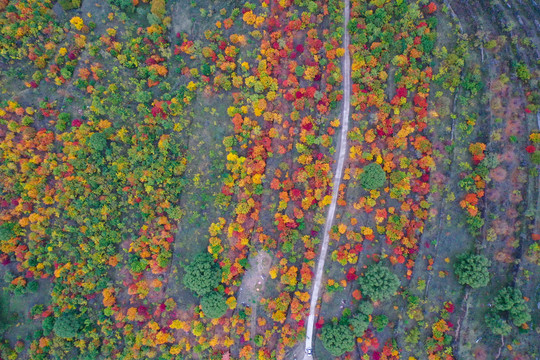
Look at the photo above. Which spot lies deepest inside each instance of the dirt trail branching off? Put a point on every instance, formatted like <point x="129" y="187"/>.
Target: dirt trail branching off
<point x="253" y="284"/>
<point x="341" y="155"/>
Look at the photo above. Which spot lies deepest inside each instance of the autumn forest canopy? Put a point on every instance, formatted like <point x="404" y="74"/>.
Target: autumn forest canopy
<point x="269" y="179"/>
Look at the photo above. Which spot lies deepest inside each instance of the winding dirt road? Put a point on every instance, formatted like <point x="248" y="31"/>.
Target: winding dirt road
<point x="342" y="154"/>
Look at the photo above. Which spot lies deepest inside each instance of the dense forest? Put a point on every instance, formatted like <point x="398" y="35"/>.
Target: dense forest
<point x="270" y="179"/>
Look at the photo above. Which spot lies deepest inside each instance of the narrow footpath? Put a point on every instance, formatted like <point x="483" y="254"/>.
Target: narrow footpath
<point x="341" y="155"/>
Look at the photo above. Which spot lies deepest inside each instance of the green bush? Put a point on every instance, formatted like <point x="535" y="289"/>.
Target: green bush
<point x="365" y="307"/>
<point x="143" y="97"/>
<point x="124" y="5"/>
<point x="70" y="4"/>
<point x="497" y="324"/>
<point x="214" y="305"/>
<point x="33" y="286"/>
<point x="37" y="309"/>
<point x="337" y="339"/>
<point x="27" y="121"/>
<point x="508" y="305"/>
<point x="259" y="340"/>
<point x="373" y="177"/>
<point x="67" y="325"/>
<point x="535" y="157"/>
<point x="202" y="274"/>
<point x="511" y="300"/>
<point x="506" y="298"/>
<point x="413" y="336"/>
<point x="472" y="270"/>
<point x="378" y="283"/>
<point x="48" y="325"/>
<point x="138" y="265"/>
<point x="97" y="141"/>
<point x="66" y="73"/>
<point x="523" y="72"/>
<point x="7" y="231"/>
<point x="359" y="324"/>
<point x="37" y="76"/>
<point x="380" y="322"/>
<point x="206" y="69"/>
<point x="520" y="315"/>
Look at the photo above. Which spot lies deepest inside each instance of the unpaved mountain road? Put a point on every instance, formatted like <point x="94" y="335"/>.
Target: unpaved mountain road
<point x="341" y="155"/>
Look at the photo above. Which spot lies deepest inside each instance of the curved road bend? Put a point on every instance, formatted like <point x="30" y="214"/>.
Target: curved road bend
<point x="342" y="153"/>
